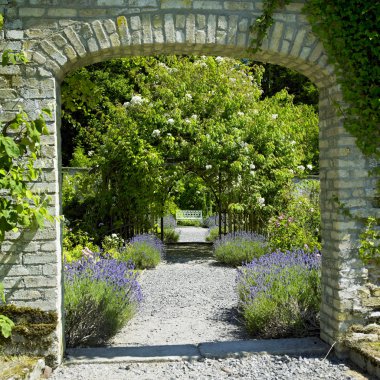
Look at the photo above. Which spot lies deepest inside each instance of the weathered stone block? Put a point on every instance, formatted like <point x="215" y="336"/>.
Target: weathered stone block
<point x="176" y="4"/>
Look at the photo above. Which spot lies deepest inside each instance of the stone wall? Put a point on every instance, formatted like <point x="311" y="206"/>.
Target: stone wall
<point x="61" y="35"/>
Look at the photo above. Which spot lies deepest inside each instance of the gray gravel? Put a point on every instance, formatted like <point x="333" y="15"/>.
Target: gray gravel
<point x="260" y="367"/>
<point x="188" y="234"/>
<point x="190" y="299"/>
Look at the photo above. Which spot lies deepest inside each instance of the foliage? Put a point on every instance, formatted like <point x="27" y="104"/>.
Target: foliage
<point x="352" y="45"/>
<point x="189" y="222"/>
<point x="170" y="235"/>
<point x="213" y="234"/>
<point x="280" y="294"/>
<point x="298" y="225"/>
<point x="75" y="243"/>
<point x="101" y="295"/>
<point x="145" y="251"/>
<point x="147" y="135"/>
<point x="276" y="78"/>
<point x="112" y="243"/>
<point x="369" y="248"/>
<point x="239" y="247"/>
<point x="20" y="146"/>
<point x="260" y="28"/>
<point x="6" y="324"/>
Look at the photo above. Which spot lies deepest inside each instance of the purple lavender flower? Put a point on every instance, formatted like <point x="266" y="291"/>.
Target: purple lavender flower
<point x="150" y="239"/>
<point x="280" y="293"/>
<point x="118" y="274"/>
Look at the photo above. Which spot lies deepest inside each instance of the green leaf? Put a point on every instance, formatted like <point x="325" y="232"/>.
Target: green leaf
<point x="6" y="325"/>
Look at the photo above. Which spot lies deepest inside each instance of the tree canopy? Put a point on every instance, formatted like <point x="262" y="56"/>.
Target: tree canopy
<point x="142" y="124"/>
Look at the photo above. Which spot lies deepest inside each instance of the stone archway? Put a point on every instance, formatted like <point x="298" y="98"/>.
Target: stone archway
<point x="61" y="37"/>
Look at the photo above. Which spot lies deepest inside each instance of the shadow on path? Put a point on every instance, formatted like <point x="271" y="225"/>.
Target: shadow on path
<point x="187" y="252"/>
<point x="310" y="346"/>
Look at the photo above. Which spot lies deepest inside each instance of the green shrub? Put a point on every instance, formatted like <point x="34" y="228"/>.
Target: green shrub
<point x="189" y="222"/>
<point x="112" y="244"/>
<point x="213" y="234"/>
<point x="101" y="295"/>
<point x="280" y="294"/>
<point x="6" y="324"/>
<point x="240" y="247"/>
<point x="298" y="226"/>
<point x="171" y="235"/>
<point x="145" y="251"/>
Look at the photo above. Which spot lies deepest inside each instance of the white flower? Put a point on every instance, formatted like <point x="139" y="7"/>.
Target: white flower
<point x="291" y="171"/>
<point x="261" y="201"/>
<point x="255" y="112"/>
<point x="240" y="113"/>
<point x="292" y="142"/>
<point x="233" y="80"/>
<point x="188" y="96"/>
<point x="208" y="167"/>
<point x="219" y="59"/>
<point x="194" y="117"/>
<point x="301" y="167"/>
<point x="309" y="166"/>
<point x="170" y="121"/>
<point x="126" y="104"/>
<point x="114" y="235"/>
<point x="90" y="153"/>
<point x="274" y="116"/>
<point x="252" y="173"/>
<point x="250" y="77"/>
<point x="169" y="134"/>
<point x="156" y="133"/>
<point x="187" y="120"/>
<point x="252" y="166"/>
<point x="137" y="100"/>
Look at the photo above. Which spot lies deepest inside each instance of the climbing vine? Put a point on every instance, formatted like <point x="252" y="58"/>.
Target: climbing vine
<point x="20" y="147"/>
<point x="349" y="32"/>
<point x="260" y="28"/>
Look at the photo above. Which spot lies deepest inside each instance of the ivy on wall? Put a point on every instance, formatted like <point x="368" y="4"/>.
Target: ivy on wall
<point x="348" y="30"/>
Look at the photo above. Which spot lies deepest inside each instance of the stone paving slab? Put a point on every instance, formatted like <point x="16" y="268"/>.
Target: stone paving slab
<point x="291" y="346"/>
<point x="160" y="353"/>
<point x="215" y="350"/>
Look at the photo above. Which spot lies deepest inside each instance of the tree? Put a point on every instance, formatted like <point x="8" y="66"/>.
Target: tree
<point x="200" y="115"/>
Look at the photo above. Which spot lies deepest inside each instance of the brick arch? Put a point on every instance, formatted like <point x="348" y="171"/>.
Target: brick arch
<point x="59" y="39"/>
<point x="83" y="43"/>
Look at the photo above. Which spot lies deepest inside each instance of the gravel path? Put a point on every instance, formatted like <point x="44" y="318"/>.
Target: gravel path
<point x="190" y="299"/>
<point x="192" y="234"/>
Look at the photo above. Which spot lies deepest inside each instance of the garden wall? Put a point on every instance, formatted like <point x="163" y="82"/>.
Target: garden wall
<point x="61" y="35"/>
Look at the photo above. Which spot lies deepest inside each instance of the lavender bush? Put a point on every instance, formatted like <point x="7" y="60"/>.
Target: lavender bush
<point x="239" y="247"/>
<point x="280" y="294"/>
<point x="145" y="251"/>
<point x="101" y="295"/>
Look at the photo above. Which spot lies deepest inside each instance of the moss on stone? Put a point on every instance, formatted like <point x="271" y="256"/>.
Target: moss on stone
<point x="32" y="330"/>
<point x="16" y="367"/>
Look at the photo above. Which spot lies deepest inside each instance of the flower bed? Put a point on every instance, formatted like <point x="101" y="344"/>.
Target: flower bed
<point x="101" y="295"/>
<point x="280" y="294"/>
<point x="239" y="247"/>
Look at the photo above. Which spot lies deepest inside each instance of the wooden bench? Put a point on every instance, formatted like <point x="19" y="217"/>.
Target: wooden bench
<point x="189" y="215"/>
